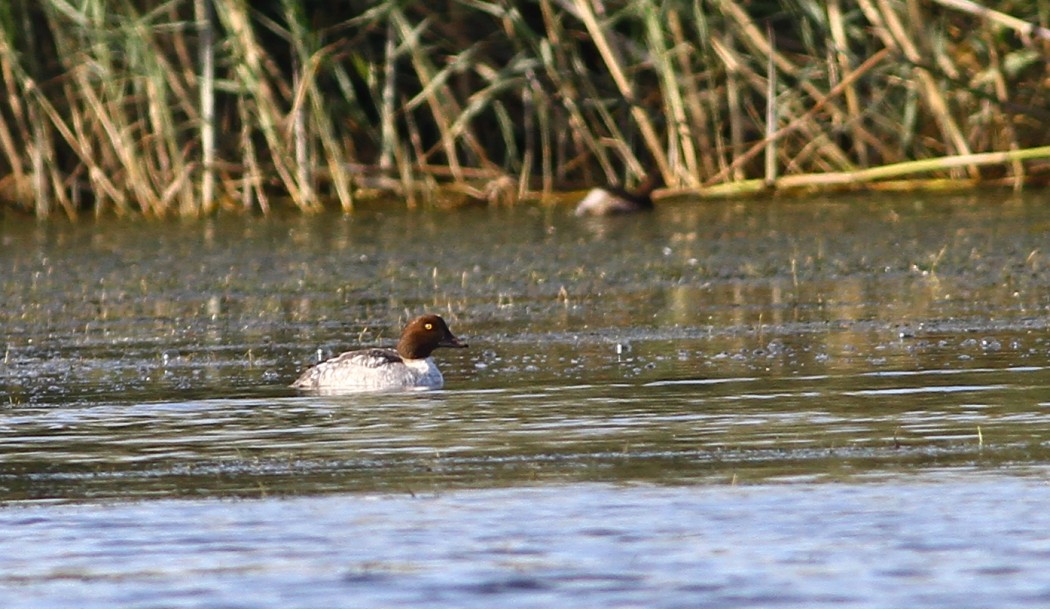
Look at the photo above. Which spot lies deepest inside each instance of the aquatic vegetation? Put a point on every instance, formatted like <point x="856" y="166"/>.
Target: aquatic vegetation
<point x="186" y="106"/>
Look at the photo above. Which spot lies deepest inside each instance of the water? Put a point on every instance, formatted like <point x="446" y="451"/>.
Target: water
<point x="867" y="545"/>
<point x="814" y="402"/>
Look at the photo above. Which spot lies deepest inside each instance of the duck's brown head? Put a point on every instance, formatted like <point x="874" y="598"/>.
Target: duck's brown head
<point x="424" y="334"/>
<point x="653" y="180"/>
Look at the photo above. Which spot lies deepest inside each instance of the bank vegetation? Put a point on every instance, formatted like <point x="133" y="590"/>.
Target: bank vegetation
<point x="165" y="107"/>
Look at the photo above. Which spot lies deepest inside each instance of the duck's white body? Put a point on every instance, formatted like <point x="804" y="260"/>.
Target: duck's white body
<point x="605" y="202"/>
<point x="371" y="370"/>
<point x="611" y="201"/>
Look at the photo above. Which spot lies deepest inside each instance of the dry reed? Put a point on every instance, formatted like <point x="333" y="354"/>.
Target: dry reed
<point x="164" y="107"/>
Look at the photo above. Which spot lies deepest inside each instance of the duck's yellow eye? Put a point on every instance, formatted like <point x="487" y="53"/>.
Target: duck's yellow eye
<point x="428" y="326"/>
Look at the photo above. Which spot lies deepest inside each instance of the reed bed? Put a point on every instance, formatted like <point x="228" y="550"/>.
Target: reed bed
<point x="164" y="107"/>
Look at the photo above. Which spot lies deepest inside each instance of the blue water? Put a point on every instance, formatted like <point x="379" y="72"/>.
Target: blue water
<point x="958" y="539"/>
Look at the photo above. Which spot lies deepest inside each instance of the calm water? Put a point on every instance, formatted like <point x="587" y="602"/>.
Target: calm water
<point x="837" y="402"/>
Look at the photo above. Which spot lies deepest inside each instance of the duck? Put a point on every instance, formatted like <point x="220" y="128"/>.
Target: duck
<point x="610" y="200"/>
<point x="407" y="366"/>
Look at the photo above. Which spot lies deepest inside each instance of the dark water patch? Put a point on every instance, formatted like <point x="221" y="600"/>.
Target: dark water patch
<point x="825" y="426"/>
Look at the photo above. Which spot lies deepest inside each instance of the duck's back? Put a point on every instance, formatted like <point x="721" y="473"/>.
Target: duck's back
<point x="371" y="370"/>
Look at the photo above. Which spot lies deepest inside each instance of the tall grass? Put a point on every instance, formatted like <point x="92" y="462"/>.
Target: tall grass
<point x="161" y="107"/>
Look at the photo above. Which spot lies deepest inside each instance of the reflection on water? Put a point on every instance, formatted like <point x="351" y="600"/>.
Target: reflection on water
<point x="622" y="372"/>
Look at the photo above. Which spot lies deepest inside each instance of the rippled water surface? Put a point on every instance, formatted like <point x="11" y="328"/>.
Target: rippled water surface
<point x="551" y="545"/>
<point x="839" y="402"/>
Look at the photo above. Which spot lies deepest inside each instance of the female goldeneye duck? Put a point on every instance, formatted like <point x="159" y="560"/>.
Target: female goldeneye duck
<point x="408" y="366"/>
<point x="610" y="200"/>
